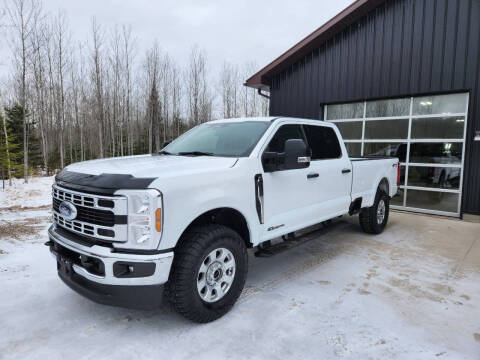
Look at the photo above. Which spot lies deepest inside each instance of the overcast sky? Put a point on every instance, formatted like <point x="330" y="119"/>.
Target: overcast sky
<point x="236" y="31"/>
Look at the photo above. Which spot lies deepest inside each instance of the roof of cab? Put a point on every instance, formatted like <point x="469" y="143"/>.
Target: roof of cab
<point x="271" y="119"/>
<point x="243" y="119"/>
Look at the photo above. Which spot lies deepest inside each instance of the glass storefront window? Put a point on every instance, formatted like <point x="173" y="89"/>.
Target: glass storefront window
<point x="354" y="149"/>
<point x="350" y="130"/>
<point x="434" y="177"/>
<point x="386" y="149"/>
<point x="440" y="104"/>
<point x="386" y="129"/>
<point x="345" y="111"/>
<point x="392" y="107"/>
<point x="432" y="200"/>
<point x="402" y="175"/>
<point x="441" y="128"/>
<point x="429" y="128"/>
<point x="398" y="200"/>
<point x="437" y="153"/>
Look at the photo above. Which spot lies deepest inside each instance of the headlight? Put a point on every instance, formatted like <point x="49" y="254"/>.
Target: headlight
<point x="145" y="218"/>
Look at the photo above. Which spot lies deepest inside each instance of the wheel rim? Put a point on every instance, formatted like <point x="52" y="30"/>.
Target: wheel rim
<point x="216" y="275"/>
<point x="380" y="211"/>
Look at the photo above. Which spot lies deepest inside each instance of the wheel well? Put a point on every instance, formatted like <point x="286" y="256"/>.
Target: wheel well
<point x="224" y="216"/>
<point x="384" y="186"/>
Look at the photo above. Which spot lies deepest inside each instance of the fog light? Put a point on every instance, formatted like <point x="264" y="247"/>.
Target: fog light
<point x="122" y="269"/>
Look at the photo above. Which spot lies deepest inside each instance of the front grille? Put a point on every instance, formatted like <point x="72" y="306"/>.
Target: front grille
<point x="98" y="216"/>
<point x="93" y="216"/>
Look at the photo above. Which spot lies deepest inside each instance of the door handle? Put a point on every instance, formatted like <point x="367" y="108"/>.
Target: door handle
<point x="312" y="176"/>
<point x="346" y="171"/>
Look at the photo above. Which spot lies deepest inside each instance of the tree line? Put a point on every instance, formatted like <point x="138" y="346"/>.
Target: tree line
<point x="66" y="100"/>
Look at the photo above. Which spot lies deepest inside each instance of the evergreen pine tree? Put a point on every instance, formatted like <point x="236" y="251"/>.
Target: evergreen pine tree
<point x="14" y="116"/>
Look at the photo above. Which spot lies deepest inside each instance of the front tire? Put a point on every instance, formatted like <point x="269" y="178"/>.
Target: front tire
<point x="208" y="272"/>
<point x="374" y="219"/>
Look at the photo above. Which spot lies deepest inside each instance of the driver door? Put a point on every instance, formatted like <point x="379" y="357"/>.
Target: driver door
<point x="289" y="195"/>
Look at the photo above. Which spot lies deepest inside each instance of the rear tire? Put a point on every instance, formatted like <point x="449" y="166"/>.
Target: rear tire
<point x="374" y="218"/>
<point x="208" y="273"/>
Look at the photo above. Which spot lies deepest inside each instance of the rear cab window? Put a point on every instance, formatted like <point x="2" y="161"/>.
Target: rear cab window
<point x="323" y="142"/>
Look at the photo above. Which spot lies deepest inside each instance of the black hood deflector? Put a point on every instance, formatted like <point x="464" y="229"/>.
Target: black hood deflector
<point x="100" y="184"/>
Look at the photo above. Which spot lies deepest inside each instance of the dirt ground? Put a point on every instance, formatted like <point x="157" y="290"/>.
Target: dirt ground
<point x="412" y="292"/>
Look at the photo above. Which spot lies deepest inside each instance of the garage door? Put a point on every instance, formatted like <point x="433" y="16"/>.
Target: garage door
<point x="426" y="133"/>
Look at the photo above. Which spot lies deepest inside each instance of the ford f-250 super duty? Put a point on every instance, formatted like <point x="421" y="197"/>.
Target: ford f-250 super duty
<point x="184" y="217"/>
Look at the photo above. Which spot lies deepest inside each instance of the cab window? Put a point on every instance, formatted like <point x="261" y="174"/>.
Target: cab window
<point x="323" y="142"/>
<point x="284" y="133"/>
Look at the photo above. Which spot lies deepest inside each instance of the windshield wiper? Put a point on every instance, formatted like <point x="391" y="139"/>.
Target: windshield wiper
<point x="163" y="152"/>
<point x="196" y="153"/>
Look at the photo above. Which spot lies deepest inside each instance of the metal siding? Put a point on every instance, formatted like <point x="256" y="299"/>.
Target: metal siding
<point x="378" y="49"/>
<point x="401" y="48"/>
<point x="427" y="46"/>
<point x="417" y="42"/>
<point x="316" y="83"/>
<point x="389" y="25"/>
<point x="438" y="43"/>
<point x="450" y="45"/>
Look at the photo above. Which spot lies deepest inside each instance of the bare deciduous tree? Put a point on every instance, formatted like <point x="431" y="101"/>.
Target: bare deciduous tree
<point x="92" y="98"/>
<point x="24" y="16"/>
<point x="97" y="75"/>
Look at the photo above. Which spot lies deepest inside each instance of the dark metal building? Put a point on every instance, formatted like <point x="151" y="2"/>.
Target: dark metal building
<point x="398" y="77"/>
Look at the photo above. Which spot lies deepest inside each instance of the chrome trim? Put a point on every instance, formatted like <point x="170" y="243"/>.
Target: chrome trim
<point x="91" y="201"/>
<point x="163" y="263"/>
<point x="89" y="229"/>
<point x="303" y="159"/>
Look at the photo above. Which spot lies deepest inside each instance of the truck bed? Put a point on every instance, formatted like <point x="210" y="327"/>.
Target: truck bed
<point x="368" y="172"/>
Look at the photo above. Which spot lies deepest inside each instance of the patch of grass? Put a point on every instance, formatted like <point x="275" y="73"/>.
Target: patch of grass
<point x="20" y="228"/>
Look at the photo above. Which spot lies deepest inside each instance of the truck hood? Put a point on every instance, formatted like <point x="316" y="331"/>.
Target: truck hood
<point x="149" y="166"/>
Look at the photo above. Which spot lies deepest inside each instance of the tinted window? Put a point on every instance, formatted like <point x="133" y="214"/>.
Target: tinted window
<point x="286" y="132"/>
<point x="221" y="139"/>
<point x="323" y="142"/>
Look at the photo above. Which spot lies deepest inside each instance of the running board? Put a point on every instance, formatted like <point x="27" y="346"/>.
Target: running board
<point x="266" y="249"/>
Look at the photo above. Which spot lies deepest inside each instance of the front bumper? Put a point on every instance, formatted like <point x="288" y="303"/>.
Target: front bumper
<point x="93" y="271"/>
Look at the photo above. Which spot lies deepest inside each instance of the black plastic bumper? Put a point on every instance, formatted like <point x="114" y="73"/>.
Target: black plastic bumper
<point x="146" y="297"/>
<point x="132" y="297"/>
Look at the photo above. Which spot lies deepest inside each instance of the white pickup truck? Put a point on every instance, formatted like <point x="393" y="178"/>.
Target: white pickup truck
<point x="185" y="217"/>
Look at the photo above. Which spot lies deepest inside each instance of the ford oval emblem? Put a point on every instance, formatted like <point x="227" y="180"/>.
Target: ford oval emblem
<point x="67" y="210"/>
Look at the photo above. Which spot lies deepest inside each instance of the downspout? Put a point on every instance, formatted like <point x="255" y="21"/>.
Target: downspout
<point x="259" y="90"/>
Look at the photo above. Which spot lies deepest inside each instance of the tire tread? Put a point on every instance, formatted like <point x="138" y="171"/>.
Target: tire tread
<point x="190" y="249"/>
<point x="367" y="216"/>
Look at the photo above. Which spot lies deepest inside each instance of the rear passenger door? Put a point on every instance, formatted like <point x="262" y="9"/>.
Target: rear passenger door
<point x="330" y="170"/>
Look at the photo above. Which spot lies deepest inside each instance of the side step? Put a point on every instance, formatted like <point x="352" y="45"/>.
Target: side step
<point x="267" y="249"/>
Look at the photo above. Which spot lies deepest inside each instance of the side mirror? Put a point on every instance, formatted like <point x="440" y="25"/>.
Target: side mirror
<point x="296" y="154"/>
<point x="270" y="161"/>
<point x="166" y="143"/>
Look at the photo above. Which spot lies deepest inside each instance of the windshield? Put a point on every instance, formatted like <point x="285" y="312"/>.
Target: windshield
<point x="234" y="139"/>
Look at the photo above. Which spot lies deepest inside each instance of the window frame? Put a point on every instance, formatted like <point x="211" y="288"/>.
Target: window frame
<point x="269" y="138"/>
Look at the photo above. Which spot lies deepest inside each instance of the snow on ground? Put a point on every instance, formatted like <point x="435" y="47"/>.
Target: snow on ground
<point x="412" y="292"/>
<point x="34" y="194"/>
